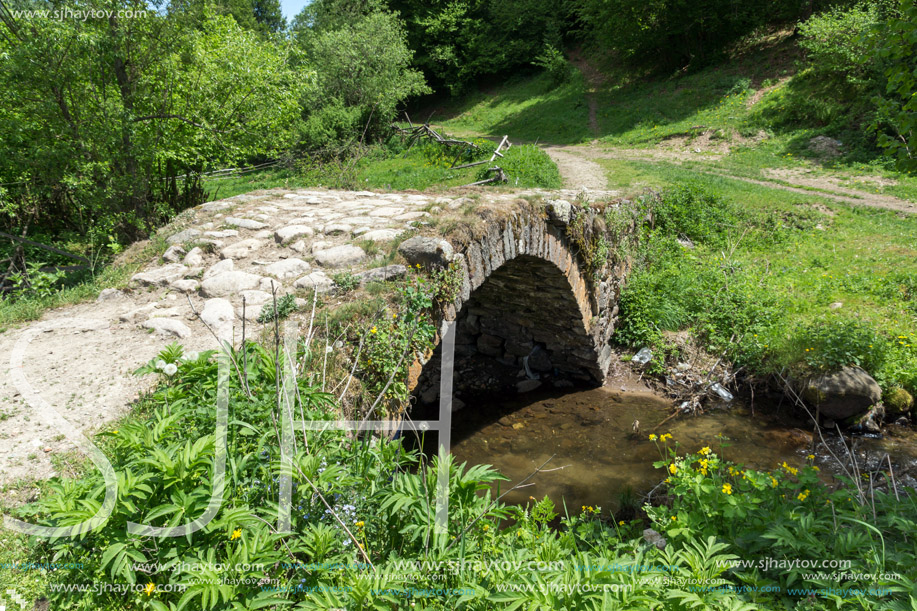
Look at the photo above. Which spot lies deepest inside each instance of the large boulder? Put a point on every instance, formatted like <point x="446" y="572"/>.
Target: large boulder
<point x="560" y="212"/>
<point x="160" y="276"/>
<point x="425" y="251"/>
<point x="240" y="249"/>
<point x="381" y="274"/>
<point x="229" y="283"/>
<point x="287" y="269"/>
<point x="168" y="326"/>
<point x="183" y="236"/>
<point x="292" y="232"/>
<point x="219" y="315"/>
<point x="244" y="223"/>
<point x="340" y="256"/>
<point x="842" y="394"/>
<point x="317" y="281"/>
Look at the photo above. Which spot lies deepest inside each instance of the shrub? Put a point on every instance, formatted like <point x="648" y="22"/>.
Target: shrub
<point x="526" y="165"/>
<point x="694" y="212"/>
<point x="552" y="61"/>
<point x="285" y="306"/>
<point x="839" y="41"/>
<point x="831" y="345"/>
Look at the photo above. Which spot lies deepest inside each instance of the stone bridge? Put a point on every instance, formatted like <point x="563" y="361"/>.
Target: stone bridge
<point x="534" y="297"/>
<point x="529" y="300"/>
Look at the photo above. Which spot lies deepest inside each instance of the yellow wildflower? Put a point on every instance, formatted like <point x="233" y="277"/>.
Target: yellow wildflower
<point x="236" y="534"/>
<point x="373" y="330"/>
<point x="727" y="488"/>
<point x="652" y="437"/>
<point x="150" y="588"/>
<point x="673" y="469"/>
<point x="704" y="450"/>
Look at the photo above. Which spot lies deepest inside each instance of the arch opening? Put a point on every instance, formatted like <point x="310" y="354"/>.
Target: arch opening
<point x="522" y="328"/>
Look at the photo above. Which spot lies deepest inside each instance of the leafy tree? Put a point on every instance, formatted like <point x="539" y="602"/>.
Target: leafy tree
<point x="362" y="75"/>
<point x="898" y="107"/>
<point x="678" y="32"/>
<point x="321" y="15"/>
<point x="102" y="116"/>
<point x="263" y="16"/>
<point x="458" y="40"/>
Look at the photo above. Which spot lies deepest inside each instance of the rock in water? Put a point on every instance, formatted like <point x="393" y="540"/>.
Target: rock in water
<point x="840" y="395"/>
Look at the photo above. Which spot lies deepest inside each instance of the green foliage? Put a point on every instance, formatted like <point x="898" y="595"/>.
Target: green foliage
<point x="346" y="281"/>
<point x="554" y="63"/>
<point x="395" y="340"/>
<point x="33" y="282"/>
<point x="357" y="501"/>
<point x="428" y="163"/>
<point x="285" y="306"/>
<point x="840" y="41"/>
<point x="785" y="513"/>
<point x="99" y="148"/>
<point x="361" y="76"/>
<point x="831" y="345"/>
<point x="756" y="285"/>
<point x="458" y="41"/>
<point x="696" y="213"/>
<point x="670" y="33"/>
<point x="446" y="283"/>
<point x="528" y="165"/>
<point x="898" y="107"/>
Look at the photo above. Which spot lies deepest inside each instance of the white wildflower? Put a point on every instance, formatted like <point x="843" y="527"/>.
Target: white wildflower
<point x="160" y="364"/>
<point x="170" y="369"/>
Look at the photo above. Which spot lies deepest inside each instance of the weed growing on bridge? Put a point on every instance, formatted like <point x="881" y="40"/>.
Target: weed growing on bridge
<point x="587" y="232"/>
<point x="285" y="306"/>
<point x="395" y="339"/>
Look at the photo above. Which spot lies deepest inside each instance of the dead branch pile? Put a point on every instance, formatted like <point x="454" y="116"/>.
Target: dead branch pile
<point x="417" y="132"/>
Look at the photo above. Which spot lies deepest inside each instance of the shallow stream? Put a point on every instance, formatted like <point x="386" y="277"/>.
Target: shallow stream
<point x="597" y="456"/>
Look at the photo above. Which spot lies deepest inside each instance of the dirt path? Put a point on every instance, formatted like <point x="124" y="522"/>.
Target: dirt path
<point x="577" y="171"/>
<point x="594" y="80"/>
<point x="576" y="158"/>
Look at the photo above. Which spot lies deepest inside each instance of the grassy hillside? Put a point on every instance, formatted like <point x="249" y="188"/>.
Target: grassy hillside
<point x="752" y="116"/>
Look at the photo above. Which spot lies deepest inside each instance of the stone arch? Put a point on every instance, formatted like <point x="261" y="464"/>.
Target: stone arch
<point x="527" y="299"/>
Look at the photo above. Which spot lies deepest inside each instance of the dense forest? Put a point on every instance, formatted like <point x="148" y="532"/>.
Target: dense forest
<point x="108" y="120"/>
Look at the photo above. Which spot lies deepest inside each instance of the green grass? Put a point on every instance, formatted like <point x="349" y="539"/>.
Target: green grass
<point x="754" y="104"/>
<point x="781" y="261"/>
<point x="527" y="109"/>
<point x="270" y="178"/>
<point x="427" y="166"/>
<point x="27" y="307"/>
